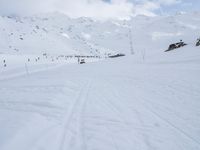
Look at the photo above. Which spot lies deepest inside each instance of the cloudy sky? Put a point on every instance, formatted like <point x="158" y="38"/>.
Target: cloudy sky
<point x="99" y="8"/>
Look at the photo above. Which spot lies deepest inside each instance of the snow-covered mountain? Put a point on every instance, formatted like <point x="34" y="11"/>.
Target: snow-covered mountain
<point x="25" y="39"/>
<point x="58" y="34"/>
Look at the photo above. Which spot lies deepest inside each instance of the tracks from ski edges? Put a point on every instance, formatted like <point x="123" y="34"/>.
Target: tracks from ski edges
<point x="74" y="118"/>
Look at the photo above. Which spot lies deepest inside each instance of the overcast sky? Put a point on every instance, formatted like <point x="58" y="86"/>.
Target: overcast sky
<point x="99" y="8"/>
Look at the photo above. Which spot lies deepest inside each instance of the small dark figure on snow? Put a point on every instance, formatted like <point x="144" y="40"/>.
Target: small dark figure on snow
<point x="4" y="63"/>
<point x="78" y="60"/>
<point x="198" y="42"/>
<point x="82" y="61"/>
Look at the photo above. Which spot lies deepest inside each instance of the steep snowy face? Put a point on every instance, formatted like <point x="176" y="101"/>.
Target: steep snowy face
<point x="58" y="34"/>
<point x="157" y="33"/>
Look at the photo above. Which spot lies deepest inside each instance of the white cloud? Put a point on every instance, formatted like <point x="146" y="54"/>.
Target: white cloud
<point x="96" y="8"/>
<point x="88" y="8"/>
<point x="169" y="2"/>
<point x="24" y="7"/>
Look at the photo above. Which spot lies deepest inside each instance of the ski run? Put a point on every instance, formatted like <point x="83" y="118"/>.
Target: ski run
<point x="146" y="101"/>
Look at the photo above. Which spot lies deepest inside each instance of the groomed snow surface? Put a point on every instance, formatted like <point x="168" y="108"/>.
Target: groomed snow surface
<point x="114" y="104"/>
<point x="146" y="101"/>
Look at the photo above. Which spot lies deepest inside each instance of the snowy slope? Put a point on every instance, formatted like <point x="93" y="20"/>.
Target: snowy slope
<point x="109" y="105"/>
<point x="145" y="101"/>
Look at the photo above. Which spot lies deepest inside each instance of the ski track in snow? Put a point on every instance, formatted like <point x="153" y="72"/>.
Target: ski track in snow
<point x="76" y="112"/>
<point x="146" y="103"/>
<point x="111" y="109"/>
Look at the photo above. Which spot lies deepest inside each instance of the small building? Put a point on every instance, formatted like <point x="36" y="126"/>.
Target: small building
<point x="116" y="55"/>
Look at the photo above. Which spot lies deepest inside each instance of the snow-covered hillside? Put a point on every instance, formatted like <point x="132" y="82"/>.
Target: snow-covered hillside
<point x="146" y="101"/>
<point x="57" y="33"/>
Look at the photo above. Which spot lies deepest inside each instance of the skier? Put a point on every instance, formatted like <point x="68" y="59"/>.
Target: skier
<point x="4" y="63"/>
<point x="78" y="60"/>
